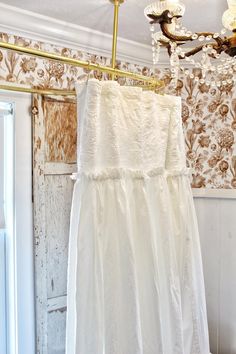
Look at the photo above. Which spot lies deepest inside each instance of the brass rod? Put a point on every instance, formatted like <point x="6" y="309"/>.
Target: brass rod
<point x="79" y="63"/>
<point x="37" y="90"/>
<point x="59" y="92"/>
<point x="115" y="33"/>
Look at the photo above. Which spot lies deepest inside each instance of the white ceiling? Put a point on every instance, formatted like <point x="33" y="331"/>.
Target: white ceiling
<point x="98" y="15"/>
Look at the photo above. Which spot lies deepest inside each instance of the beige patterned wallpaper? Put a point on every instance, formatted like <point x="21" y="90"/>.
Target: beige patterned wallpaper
<point x="209" y="114"/>
<point x="209" y="120"/>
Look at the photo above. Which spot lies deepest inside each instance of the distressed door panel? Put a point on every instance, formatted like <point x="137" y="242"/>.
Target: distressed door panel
<point x="56" y="331"/>
<point x="58" y="195"/>
<point x="54" y="133"/>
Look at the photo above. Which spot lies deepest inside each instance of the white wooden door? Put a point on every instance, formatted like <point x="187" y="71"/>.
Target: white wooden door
<point x="54" y="159"/>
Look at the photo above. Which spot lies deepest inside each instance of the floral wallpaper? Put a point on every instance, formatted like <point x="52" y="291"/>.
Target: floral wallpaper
<point x="209" y="121"/>
<point x="208" y="114"/>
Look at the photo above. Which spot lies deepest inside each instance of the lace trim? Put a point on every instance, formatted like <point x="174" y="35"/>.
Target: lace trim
<point x="118" y="173"/>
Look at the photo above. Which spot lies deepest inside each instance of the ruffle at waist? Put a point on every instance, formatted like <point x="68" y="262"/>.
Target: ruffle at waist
<point x="119" y="173"/>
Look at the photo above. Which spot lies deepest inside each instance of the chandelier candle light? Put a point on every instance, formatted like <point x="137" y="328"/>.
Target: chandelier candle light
<point x="213" y="46"/>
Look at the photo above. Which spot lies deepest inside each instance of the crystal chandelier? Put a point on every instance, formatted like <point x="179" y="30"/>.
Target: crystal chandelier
<point x="217" y="58"/>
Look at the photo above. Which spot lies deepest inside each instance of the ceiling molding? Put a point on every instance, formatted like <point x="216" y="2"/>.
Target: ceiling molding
<point x="38" y="27"/>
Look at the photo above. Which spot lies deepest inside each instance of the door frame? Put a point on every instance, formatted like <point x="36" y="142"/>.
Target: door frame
<point x="19" y="225"/>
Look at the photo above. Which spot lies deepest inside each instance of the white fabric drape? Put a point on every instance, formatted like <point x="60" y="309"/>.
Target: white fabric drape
<point x="135" y="281"/>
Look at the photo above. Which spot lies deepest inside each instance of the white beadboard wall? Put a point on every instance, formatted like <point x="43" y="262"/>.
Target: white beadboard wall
<point x="217" y="227"/>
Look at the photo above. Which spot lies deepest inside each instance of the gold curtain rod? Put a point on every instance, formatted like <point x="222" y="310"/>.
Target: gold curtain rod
<point x="150" y="82"/>
<point x="56" y="92"/>
<point x="74" y="62"/>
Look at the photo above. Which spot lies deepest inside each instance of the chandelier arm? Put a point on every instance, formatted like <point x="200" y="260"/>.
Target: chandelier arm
<point x="187" y="54"/>
<point x="165" y="30"/>
<point x="196" y="50"/>
<point x="192" y="51"/>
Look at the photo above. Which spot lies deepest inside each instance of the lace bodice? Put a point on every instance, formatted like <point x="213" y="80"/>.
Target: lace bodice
<point x="127" y="129"/>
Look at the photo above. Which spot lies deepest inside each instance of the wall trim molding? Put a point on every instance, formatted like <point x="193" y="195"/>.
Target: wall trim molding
<point x="214" y="193"/>
<point x="43" y="28"/>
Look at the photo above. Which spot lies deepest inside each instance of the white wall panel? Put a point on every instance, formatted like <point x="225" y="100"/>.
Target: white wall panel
<point x="217" y="227"/>
<point x="227" y="276"/>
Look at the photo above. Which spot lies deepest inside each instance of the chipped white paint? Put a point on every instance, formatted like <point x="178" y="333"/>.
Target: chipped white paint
<point x="57" y="303"/>
<point x="58" y="192"/>
<point x="39" y="229"/>
<point x="59" y="168"/>
<point x="56" y="328"/>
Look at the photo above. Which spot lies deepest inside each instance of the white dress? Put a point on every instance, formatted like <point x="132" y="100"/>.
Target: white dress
<point x="135" y="281"/>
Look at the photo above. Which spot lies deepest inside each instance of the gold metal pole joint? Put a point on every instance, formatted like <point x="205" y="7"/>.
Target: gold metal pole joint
<point x="117" y="2"/>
